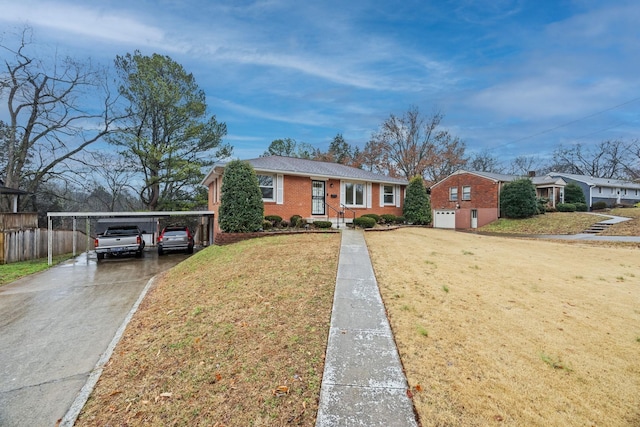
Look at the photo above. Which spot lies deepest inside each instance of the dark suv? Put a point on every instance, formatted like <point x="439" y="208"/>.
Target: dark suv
<point x="175" y="239"/>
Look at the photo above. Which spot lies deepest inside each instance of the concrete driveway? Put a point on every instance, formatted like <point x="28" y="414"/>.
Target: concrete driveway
<point x="55" y="325"/>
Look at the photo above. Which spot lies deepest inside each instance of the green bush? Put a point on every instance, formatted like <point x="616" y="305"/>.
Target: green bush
<point x="376" y="217"/>
<point x="581" y="207"/>
<point x="599" y="206"/>
<point x="566" y="207"/>
<point x="573" y="193"/>
<point x="293" y="221"/>
<point x="518" y="199"/>
<point x="364" y="222"/>
<point x="241" y="208"/>
<point x="322" y="224"/>
<point x="400" y="220"/>
<point x="266" y="225"/>
<point x="389" y="218"/>
<point x="417" y="206"/>
<point x="275" y="219"/>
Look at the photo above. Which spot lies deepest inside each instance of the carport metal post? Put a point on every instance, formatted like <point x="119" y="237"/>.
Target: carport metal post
<point x="50" y="240"/>
<point x="74" y="236"/>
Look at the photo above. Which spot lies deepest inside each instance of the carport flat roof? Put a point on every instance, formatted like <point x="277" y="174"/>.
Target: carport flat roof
<point x="130" y="214"/>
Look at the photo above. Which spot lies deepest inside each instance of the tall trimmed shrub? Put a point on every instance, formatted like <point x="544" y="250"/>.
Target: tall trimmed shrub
<point x="573" y="193"/>
<point x="417" y="206"/>
<point x="518" y="199"/>
<point x="241" y="206"/>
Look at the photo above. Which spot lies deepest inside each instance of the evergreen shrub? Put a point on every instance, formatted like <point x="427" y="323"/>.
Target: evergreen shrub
<point x="566" y="207"/>
<point x="364" y="222"/>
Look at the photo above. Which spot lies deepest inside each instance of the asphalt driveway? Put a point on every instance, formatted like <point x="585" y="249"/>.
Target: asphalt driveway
<point x="55" y="325"/>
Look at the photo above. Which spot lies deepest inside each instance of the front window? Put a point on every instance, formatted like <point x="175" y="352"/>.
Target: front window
<point x="453" y="194"/>
<point x="266" y="186"/>
<point x="354" y="194"/>
<point x="388" y="195"/>
<point x="466" y="192"/>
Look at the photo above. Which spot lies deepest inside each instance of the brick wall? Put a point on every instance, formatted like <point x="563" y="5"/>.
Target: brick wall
<point x="297" y="201"/>
<point x="484" y="192"/>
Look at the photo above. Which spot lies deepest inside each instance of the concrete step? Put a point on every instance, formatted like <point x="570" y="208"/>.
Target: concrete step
<point x="597" y="228"/>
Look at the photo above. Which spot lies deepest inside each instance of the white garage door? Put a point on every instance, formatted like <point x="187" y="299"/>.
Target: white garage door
<point x="444" y="219"/>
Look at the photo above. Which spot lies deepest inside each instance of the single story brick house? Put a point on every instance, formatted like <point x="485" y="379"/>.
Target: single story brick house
<point x="469" y="199"/>
<point x="316" y="190"/>
<point x="611" y="191"/>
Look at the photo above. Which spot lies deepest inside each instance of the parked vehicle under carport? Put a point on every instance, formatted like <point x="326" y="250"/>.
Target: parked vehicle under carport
<point x="120" y="240"/>
<point x="175" y="238"/>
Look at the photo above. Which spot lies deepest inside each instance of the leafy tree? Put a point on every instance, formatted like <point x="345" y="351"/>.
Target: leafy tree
<point x="573" y="193"/>
<point x="47" y="123"/>
<point x="241" y="207"/>
<point x="416" y="145"/>
<point x="518" y="199"/>
<point x="289" y="147"/>
<point x="417" y="206"/>
<point x="340" y="150"/>
<point x="169" y="135"/>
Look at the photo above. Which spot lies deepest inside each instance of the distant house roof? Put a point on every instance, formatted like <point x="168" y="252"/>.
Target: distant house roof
<point x="600" y="182"/>
<point x="306" y="167"/>
<point x="500" y="177"/>
<point x="7" y="190"/>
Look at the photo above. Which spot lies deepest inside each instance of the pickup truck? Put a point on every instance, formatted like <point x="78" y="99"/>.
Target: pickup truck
<point x="120" y="240"/>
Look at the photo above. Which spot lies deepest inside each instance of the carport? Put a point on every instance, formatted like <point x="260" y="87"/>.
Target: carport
<point x="209" y="215"/>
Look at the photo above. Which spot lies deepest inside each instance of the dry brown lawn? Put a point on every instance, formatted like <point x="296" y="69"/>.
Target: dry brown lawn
<point x="509" y="332"/>
<point x="627" y="228"/>
<point x="234" y="336"/>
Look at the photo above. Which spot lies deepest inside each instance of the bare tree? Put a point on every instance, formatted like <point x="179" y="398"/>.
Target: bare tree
<point x="48" y="123"/>
<point x="632" y="166"/>
<point x="524" y="165"/>
<point x="109" y="182"/>
<point x="608" y="159"/>
<point x="415" y="145"/>
<point x="484" y="161"/>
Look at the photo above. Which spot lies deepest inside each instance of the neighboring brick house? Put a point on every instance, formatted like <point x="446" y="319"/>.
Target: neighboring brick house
<point x="316" y="190"/>
<point x="468" y="199"/>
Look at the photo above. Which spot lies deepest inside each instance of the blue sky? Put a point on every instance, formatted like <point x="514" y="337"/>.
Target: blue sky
<point x="512" y="77"/>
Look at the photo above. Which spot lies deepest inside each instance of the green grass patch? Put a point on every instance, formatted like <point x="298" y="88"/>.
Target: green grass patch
<point x="555" y="362"/>
<point x="16" y="270"/>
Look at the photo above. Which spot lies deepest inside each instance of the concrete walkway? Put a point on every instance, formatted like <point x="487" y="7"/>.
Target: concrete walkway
<point x="363" y="382"/>
<point x="590" y="236"/>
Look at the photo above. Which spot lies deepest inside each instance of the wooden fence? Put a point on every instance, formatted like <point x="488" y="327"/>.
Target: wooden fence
<point x="29" y="244"/>
<point x="18" y="221"/>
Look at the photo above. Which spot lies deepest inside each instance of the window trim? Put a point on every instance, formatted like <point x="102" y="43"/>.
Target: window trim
<point x="272" y="187"/>
<point x="392" y="194"/>
<point x="466" y="195"/>
<point x="453" y="194"/>
<point x="365" y="193"/>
